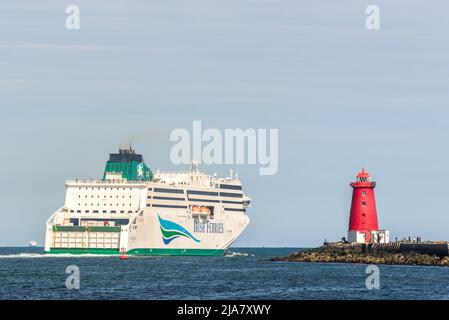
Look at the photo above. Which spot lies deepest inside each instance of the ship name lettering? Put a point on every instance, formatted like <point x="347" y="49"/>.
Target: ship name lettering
<point x="208" y="227"/>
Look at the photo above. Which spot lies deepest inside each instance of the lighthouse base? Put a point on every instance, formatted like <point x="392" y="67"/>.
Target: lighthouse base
<point x="374" y="236"/>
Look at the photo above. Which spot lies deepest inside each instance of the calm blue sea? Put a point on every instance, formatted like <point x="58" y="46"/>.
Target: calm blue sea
<point x="243" y="273"/>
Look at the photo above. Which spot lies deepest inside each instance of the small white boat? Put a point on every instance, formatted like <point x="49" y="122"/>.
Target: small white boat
<point x="33" y="243"/>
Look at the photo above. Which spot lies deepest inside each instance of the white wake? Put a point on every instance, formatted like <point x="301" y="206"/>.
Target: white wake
<point x="231" y="254"/>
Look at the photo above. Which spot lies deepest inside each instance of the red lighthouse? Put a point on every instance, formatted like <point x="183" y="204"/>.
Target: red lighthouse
<point x="363" y="225"/>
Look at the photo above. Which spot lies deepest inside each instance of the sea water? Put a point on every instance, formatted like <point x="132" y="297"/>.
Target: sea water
<point x="243" y="273"/>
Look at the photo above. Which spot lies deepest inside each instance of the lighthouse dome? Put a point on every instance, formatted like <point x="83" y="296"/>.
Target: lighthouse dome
<point x="363" y="176"/>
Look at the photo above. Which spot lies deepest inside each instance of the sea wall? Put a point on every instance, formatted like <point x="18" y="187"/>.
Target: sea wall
<point x="438" y="249"/>
<point x="347" y="253"/>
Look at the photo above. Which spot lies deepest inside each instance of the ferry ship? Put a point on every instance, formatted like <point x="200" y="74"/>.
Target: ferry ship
<point x="136" y="211"/>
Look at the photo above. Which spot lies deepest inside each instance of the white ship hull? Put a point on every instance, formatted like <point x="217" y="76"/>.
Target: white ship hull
<point x="147" y="236"/>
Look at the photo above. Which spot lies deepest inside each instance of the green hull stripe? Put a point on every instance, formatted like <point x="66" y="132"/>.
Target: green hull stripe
<point x="142" y="252"/>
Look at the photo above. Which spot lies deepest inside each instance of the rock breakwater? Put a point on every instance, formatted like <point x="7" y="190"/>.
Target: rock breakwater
<point x="346" y="253"/>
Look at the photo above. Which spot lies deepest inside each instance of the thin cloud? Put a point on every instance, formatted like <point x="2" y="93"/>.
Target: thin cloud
<point x="50" y="46"/>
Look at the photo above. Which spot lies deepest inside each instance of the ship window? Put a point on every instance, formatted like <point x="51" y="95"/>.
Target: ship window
<point x="235" y="209"/>
<point x="205" y="193"/>
<point x="87" y="211"/>
<point x="95" y="211"/>
<point x="104" y="211"/>
<point x="121" y="211"/>
<point x="364" y="203"/>
<point x="233" y="202"/>
<point x="164" y="190"/>
<point x="166" y="198"/>
<point x="168" y="206"/>
<point x="233" y="195"/>
<point x="205" y="200"/>
<point x="231" y="187"/>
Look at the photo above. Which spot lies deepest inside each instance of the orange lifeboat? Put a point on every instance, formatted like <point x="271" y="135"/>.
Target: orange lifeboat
<point x="196" y="209"/>
<point x="205" y="210"/>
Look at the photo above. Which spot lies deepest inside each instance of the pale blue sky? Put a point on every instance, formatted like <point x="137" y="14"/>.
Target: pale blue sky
<point x="340" y="95"/>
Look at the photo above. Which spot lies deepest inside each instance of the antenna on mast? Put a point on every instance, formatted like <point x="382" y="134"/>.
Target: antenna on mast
<point x="194" y="167"/>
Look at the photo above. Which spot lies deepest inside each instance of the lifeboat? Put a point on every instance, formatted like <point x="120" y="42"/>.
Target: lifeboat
<point x="196" y="209"/>
<point x="205" y="210"/>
